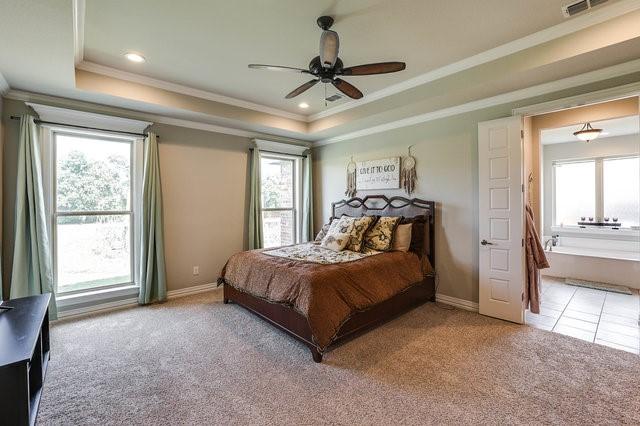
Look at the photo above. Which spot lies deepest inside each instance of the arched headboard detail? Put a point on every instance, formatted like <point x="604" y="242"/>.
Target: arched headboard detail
<point x="392" y="206"/>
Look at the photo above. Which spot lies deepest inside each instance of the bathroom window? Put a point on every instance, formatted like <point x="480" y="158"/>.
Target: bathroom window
<point x="621" y="190"/>
<point x="604" y="189"/>
<point x="575" y="191"/>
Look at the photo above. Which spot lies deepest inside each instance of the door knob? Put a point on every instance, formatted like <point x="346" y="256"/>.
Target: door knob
<point x="486" y="243"/>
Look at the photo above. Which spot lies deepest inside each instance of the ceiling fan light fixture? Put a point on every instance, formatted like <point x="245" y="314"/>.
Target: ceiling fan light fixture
<point x="329" y="47"/>
<point x="587" y="133"/>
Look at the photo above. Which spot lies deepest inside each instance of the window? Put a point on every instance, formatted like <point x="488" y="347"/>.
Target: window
<point x="621" y="189"/>
<point x="279" y="177"/>
<point x="92" y="205"/>
<point x="601" y="188"/>
<point x="575" y="190"/>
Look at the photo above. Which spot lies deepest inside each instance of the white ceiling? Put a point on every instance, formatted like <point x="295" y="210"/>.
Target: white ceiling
<point x="207" y="44"/>
<point x="610" y="128"/>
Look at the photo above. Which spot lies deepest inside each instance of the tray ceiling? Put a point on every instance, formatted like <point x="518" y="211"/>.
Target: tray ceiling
<point x="208" y="44"/>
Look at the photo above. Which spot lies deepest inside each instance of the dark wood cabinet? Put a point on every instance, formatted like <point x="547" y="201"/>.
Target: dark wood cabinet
<point x="24" y="355"/>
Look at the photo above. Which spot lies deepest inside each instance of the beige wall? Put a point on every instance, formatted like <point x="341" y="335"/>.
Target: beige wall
<point x="204" y="186"/>
<point x="447" y="168"/>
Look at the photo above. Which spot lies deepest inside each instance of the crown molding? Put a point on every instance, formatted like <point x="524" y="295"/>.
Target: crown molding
<point x="4" y="85"/>
<point x="529" y="92"/>
<point x="185" y="90"/>
<point x="78" y="7"/>
<point x="137" y="115"/>
<point x="573" y="25"/>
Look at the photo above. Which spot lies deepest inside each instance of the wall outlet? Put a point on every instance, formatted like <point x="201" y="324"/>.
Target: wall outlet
<point x="196" y="270"/>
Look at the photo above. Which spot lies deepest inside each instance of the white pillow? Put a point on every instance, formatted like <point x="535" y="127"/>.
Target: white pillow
<point x="402" y="238"/>
<point x="335" y="242"/>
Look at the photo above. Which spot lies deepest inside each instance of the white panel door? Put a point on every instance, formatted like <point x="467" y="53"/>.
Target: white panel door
<point x="501" y="210"/>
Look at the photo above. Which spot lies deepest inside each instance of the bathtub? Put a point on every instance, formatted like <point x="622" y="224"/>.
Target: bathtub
<point x="609" y="261"/>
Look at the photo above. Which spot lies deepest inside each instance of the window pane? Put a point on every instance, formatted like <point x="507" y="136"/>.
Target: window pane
<point x="621" y="187"/>
<point x="93" y="251"/>
<point x="277" y="183"/>
<point x="92" y="174"/>
<point x="277" y="228"/>
<point x="575" y="195"/>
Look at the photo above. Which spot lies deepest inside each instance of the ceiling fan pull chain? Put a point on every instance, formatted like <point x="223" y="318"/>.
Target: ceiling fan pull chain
<point x="325" y="95"/>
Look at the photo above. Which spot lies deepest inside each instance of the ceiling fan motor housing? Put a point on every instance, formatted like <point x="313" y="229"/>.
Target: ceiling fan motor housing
<point x="329" y="46"/>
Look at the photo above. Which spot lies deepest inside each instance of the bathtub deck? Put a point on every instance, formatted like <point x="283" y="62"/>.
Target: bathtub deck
<point x="597" y="316"/>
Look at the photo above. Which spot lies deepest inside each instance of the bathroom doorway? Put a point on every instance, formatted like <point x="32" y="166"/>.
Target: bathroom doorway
<point x="584" y="188"/>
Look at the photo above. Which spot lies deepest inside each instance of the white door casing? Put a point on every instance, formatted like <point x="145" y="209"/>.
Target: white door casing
<point x="501" y="223"/>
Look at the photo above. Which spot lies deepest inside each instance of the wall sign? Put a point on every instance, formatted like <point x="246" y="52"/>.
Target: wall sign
<point x="379" y="174"/>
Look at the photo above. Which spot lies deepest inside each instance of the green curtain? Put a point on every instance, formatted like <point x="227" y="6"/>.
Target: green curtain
<point x="153" y="284"/>
<point x="31" y="271"/>
<point x="255" y="221"/>
<point x="307" y="194"/>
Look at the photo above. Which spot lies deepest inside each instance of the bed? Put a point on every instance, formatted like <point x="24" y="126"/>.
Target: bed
<point x="324" y="304"/>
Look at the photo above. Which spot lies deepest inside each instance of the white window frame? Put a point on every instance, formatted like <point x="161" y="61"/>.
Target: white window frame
<point x="48" y="155"/>
<point x="599" y="196"/>
<point x="297" y="193"/>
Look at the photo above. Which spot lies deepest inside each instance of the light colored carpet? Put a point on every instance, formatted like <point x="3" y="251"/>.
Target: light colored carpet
<point x="196" y="361"/>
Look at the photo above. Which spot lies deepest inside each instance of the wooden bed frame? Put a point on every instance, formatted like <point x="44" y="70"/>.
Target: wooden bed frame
<point x="295" y="324"/>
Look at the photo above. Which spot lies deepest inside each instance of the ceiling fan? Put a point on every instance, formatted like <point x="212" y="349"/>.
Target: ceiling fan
<point x="327" y="67"/>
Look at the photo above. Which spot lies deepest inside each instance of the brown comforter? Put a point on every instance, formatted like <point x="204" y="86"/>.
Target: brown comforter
<point x="327" y="295"/>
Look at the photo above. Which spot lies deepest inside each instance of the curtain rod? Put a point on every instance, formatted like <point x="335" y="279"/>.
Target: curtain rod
<point x="53" y="123"/>
<point x="279" y="153"/>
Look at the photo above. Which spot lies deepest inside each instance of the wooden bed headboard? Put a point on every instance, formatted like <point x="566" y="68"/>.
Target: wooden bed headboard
<point x="394" y="206"/>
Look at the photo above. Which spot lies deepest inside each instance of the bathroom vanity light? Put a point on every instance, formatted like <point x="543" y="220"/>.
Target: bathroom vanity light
<point x="587" y="133"/>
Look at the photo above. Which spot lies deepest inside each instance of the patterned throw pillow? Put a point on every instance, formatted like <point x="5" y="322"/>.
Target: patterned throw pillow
<point x="356" y="227"/>
<point x="335" y="242"/>
<point x="380" y="236"/>
<point x="323" y="232"/>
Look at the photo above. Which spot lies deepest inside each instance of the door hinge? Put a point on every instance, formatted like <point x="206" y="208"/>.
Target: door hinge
<point x="521" y="134"/>
<point x="523" y="242"/>
<point x="523" y="187"/>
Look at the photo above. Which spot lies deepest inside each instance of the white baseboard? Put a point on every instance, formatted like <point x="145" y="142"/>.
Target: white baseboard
<point x="458" y="303"/>
<point x="132" y="301"/>
<point x="192" y="290"/>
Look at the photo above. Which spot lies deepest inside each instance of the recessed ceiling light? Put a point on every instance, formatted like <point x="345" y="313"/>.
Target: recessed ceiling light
<point x="134" y="57"/>
<point x="303" y="105"/>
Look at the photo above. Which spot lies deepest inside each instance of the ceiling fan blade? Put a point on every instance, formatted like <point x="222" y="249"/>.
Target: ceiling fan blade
<point x="277" y="68"/>
<point x="300" y="89"/>
<point x="370" y="69"/>
<point x="347" y="88"/>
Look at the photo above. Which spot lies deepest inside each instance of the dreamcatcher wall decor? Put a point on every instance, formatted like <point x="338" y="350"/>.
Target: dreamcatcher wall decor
<point x="351" y="179"/>
<point x="408" y="174"/>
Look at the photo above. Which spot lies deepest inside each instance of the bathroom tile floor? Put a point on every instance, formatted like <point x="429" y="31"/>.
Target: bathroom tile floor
<point x="597" y="316"/>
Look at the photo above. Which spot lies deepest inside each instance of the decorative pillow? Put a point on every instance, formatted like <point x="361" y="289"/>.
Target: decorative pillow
<point x="360" y="227"/>
<point x="402" y="237"/>
<point x="335" y="242"/>
<point x="356" y="227"/>
<point x="417" y="233"/>
<point x="323" y="232"/>
<point x="380" y="236"/>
